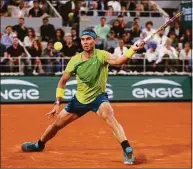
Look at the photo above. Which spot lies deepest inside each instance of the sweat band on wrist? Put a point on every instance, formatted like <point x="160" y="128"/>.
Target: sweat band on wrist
<point x="59" y="92"/>
<point x="129" y="53"/>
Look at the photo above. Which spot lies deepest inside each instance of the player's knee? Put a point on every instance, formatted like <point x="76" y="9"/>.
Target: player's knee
<point x="108" y="115"/>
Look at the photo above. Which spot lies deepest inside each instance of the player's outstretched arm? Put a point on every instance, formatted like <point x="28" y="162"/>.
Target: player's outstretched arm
<point x="116" y="60"/>
<point x="59" y="93"/>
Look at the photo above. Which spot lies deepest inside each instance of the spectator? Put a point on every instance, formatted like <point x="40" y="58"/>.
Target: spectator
<point x="115" y="4"/>
<point x="146" y="7"/>
<point x="93" y="9"/>
<point x="36" y="54"/>
<point x="20" y="29"/>
<point x="44" y="6"/>
<point x="4" y="8"/>
<point x="59" y="36"/>
<point x="47" y="30"/>
<point x="154" y="11"/>
<point x="139" y="10"/>
<point x="16" y="53"/>
<point x="66" y="8"/>
<point x="151" y="56"/>
<point x="135" y="31"/>
<point x="69" y="49"/>
<point x="111" y="43"/>
<point x="28" y="40"/>
<point x="117" y="29"/>
<point x="102" y="6"/>
<point x="122" y="21"/>
<point x="4" y="61"/>
<point x="174" y="39"/>
<point x="51" y="63"/>
<point x="187" y="37"/>
<point x="36" y="11"/>
<point x="148" y="28"/>
<point x="19" y="11"/>
<point x="167" y="56"/>
<point x="7" y="38"/>
<point x="76" y="40"/>
<point x="177" y="30"/>
<point x="160" y="38"/>
<point x="110" y="11"/>
<point x="131" y="7"/>
<point x="124" y="11"/>
<point x="119" y="52"/>
<point x="127" y="39"/>
<point x="102" y="30"/>
<point x="185" y="56"/>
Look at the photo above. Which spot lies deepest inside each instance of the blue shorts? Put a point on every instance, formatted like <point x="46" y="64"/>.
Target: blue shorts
<point x="74" y="106"/>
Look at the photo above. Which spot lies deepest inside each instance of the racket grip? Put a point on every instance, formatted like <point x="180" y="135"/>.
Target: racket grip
<point x="147" y="38"/>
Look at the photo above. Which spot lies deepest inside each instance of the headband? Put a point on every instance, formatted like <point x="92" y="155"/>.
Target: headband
<point x="90" y="33"/>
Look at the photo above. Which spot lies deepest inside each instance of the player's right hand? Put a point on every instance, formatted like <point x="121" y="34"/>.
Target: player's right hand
<point x="54" y="111"/>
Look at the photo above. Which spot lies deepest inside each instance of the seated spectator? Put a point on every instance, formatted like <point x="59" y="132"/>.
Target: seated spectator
<point x="187" y="36"/>
<point x="50" y="62"/>
<point x="148" y="28"/>
<point x="111" y="43"/>
<point x="69" y="49"/>
<point x="16" y="53"/>
<point x="116" y="27"/>
<point x="185" y="56"/>
<point x="7" y="38"/>
<point x="167" y="56"/>
<point x="20" y="29"/>
<point x="36" y="54"/>
<point x="44" y="6"/>
<point x="146" y="7"/>
<point x="4" y="61"/>
<point x="47" y="30"/>
<point x="93" y="9"/>
<point x="160" y="38"/>
<point x="177" y="30"/>
<point x="174" y="39"/>
<point x="28" y="40"/>
<point x="135" y="31"/>
<point x="19" y="11"/>
<point x="124" y="11"/>
<point x="110" y="11"/>
<point x="127" y="39"/>
<point x="102" y="30"/>
<point x="4" y="8"/>
<point x="119" y="52"/>
<point x="120" y="18"/>
<point x="36" y="11"/>
<point x="140" y="11"/>
<point x="132" y="7"/>
<point x="151" y="56"/>
<point x="59" y="36"/>
<point x="115" y="4"/>
<point x="76" y="40"/>
<point x="154" y="11"/>
<point x="102" y="6"/>
<point x="136" y="20"/>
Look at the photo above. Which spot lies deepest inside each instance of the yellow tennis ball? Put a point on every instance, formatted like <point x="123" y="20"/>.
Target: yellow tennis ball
<point x="58" y="46"/>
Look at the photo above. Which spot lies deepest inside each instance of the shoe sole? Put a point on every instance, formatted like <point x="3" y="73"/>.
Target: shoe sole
<point x="129" y="163"/>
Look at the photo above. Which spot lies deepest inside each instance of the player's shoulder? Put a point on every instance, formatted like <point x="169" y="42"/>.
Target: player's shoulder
<point x="77" y="56"/>
<point x="101" y="52"/>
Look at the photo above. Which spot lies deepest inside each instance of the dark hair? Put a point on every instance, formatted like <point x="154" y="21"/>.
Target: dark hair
<point x="120" y="16"/>
<point x="103" y="18"/>
<point x="135" y="18"/>
<point x="45" y="18"/>
<point x="34" y="35"/>
<point x="62" y="32"/>
<point x="21" y="18"/>
<point x="149" y="22"/>
<point x="9" y="26"/>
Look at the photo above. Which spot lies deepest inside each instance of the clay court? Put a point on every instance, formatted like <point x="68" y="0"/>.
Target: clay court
<point x="160" y="134"/>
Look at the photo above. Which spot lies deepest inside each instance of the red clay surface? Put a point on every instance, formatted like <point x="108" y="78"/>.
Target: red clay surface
<point x="160" y="134"/>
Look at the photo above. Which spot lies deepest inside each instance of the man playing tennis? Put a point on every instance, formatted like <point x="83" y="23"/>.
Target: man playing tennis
<point x="91" y="70"/>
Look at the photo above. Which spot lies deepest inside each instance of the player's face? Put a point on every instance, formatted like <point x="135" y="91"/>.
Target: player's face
<point x="88" y="43"/>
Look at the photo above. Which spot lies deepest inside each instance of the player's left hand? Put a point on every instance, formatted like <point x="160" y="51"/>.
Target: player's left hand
<point x="54" y="111"/>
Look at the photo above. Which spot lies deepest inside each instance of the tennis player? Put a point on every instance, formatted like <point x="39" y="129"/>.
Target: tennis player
<point x="91" y="70"/>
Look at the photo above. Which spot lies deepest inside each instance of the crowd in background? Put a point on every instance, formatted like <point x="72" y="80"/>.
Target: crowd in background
<point x="166" y="51"/>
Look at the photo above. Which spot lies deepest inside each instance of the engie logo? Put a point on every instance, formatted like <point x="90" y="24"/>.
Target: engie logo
<point x="165" y="89"/>
<point x="70" y="90"/>
<point x="15" y="89"/>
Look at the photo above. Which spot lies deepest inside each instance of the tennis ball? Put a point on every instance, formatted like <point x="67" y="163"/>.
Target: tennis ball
<point x="58" y="46"/>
